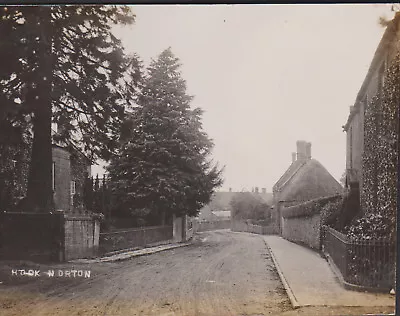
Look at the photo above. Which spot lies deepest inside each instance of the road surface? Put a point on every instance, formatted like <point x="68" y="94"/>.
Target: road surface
<point x="222" y="273"/>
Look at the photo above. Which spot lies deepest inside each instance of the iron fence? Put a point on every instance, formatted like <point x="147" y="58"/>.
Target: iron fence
<point x="363" y="262"/>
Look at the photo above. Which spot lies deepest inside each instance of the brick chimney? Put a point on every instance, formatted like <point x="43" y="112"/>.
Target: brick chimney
<point x="293" y="157"/>
<point x="301" y="150"/>
<point x="264" y="190"/>
<point x="308" y="150"/>
<point x="256" y="189"/>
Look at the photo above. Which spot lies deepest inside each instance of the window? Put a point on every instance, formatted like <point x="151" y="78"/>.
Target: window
<point x="73" y="187"/>
<point x="53" y="176"/>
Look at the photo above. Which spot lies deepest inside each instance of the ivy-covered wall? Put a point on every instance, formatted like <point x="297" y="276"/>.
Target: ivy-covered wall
<point x="379" y="161"/>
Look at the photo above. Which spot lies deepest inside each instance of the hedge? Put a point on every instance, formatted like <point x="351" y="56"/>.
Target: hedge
<point x="312" y="207"/>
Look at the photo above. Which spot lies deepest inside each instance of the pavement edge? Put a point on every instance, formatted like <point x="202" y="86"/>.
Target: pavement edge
<point x="130" y="254"/>
<point x="289" y="291"/>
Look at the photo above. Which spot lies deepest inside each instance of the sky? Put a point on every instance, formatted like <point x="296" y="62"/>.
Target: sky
<point x="266" y="76"/>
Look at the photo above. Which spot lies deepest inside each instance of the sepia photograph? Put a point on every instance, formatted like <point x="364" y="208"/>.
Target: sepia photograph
<point x="199" y="160"/>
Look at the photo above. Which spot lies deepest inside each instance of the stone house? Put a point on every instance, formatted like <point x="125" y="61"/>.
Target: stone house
<point x="372" y="86"/>
<point x="69" y="170"/>
<point x="305" y="179"/>
<point x="56" y="236"/>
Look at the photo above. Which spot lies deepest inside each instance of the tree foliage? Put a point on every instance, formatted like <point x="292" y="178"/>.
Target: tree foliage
<point x="163" y="164"/>
<point x="245" y="205"/>
<point x="64" y="66"/>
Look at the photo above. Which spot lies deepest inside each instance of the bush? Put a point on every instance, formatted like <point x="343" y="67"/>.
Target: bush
<point x="245" y="205"/>
<point x="371" y="226"/>
<point x="312" y="207"/>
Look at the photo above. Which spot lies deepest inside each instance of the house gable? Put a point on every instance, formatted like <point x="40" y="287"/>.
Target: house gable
<point x="311" y="181"/>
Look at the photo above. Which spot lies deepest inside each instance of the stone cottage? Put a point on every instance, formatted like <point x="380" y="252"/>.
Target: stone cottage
<point x="304" y="180"/>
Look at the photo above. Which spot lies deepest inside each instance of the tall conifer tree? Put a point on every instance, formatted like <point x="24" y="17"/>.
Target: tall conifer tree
<point x="163" y="164"/>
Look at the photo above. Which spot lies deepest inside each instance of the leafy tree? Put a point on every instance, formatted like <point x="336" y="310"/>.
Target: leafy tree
<point x="245" y="206"/>
<point x="163" y="165"/>
<point x="64" y="65"/>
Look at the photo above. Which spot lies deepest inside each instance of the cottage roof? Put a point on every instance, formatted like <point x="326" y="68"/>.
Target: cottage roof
<point x="379" y="56"/>
<point x="288" y="174"/>
<point x="311" y="180"/>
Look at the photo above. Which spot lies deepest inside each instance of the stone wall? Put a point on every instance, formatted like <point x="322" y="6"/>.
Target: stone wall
<point x="178" y="234"/>
<point x="47" y="237"/>
<point x="81" y="237"/>
<point x="304" y="230"/>
<point x="32" y="236"/>
<point x="243" y="226"/>
<point x="134" y="238"/>
<point x="211" y="225"/>
<point x="301" y="223"/>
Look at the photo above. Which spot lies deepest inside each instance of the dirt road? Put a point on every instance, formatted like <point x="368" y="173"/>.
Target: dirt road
<point x="222" y="273"/>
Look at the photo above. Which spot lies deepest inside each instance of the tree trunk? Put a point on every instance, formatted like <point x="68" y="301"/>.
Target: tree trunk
<point x="40" y="191"/>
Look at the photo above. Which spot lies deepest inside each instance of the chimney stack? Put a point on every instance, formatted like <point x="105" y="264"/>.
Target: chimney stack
<point x="264" y="190"/>
<point x="293" y="157"/>
<point x="308" y="150"/>
<point x="301" y="150"/>
<point x="256" y="189"/>
<point x="230" y="189"/>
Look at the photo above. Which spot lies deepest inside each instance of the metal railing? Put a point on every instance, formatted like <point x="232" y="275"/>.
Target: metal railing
<point x="362" y="262"/>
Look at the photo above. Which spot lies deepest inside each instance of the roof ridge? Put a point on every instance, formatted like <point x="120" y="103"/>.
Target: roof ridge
<point x="303" y="163"/>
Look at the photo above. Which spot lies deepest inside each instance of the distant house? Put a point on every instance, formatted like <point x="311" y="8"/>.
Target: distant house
<point x="304" y="180"/>
<point x="373" y="83"/>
